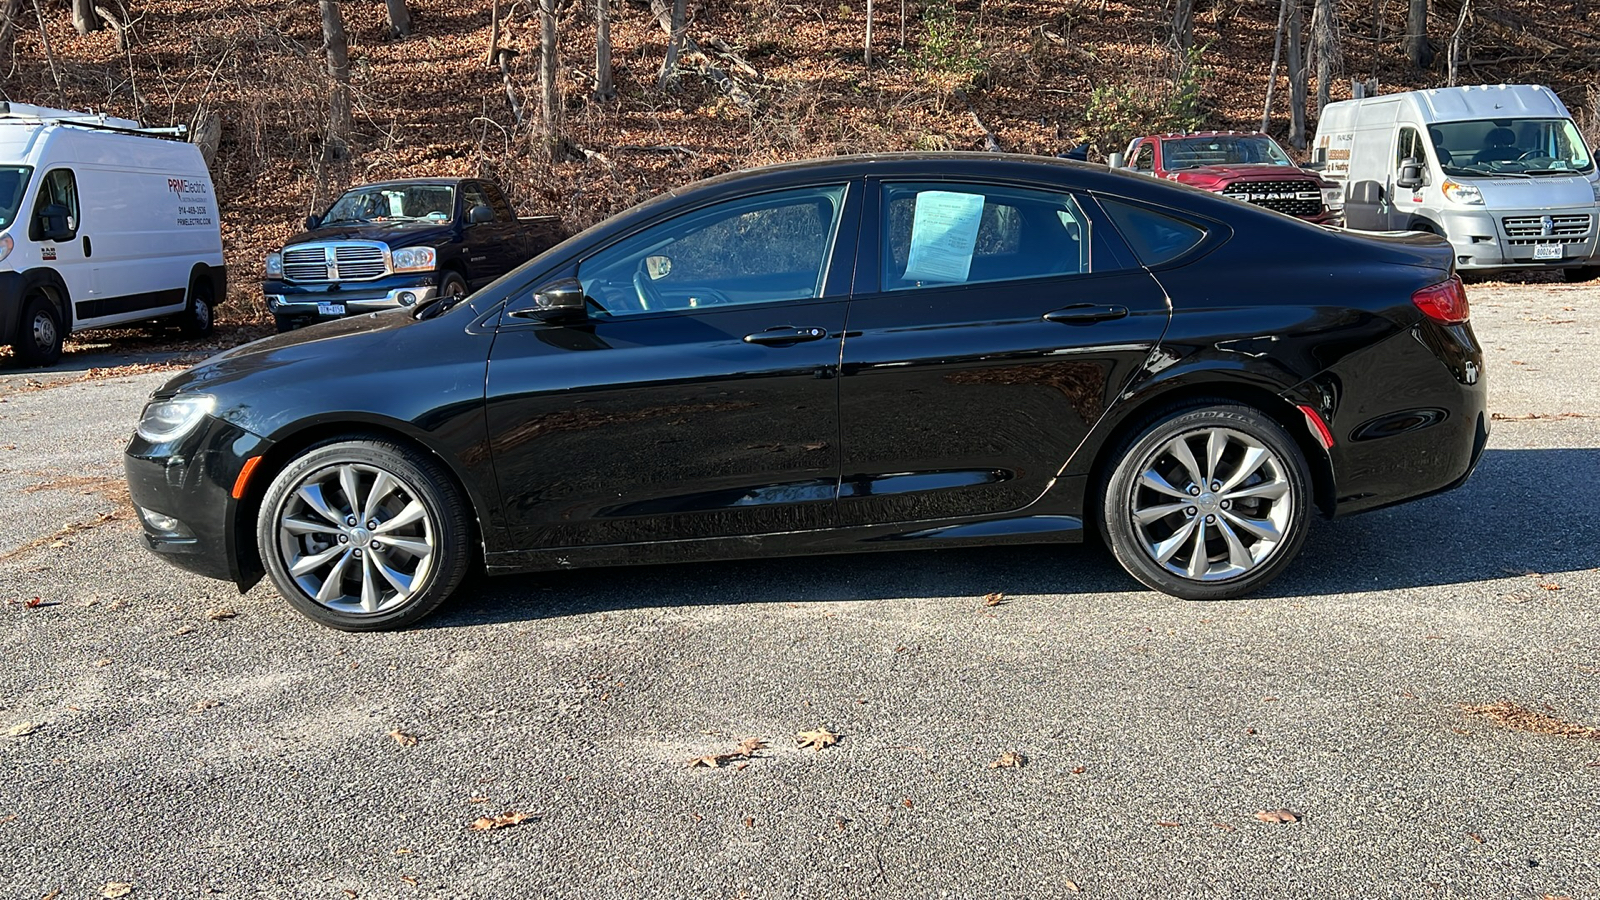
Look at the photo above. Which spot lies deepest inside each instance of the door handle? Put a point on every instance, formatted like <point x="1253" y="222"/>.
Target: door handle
<point x="1084" y="313"/>
<point x="786" y="334"/>
<point x="88" y="249"/>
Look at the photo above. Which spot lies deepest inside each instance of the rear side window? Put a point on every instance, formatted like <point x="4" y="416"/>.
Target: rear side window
<point x="940" y="234"/>
<point x="1155" y="238"/>
<point x="13" y="181"/>
<point x="57" y="188"/>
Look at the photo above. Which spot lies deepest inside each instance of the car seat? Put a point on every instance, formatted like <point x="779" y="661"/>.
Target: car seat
<point x="1498" y="146"/>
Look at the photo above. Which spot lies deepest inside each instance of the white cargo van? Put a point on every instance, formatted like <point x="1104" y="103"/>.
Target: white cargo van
<point x="101" y="223"/>
<point x="1499" y="170"/>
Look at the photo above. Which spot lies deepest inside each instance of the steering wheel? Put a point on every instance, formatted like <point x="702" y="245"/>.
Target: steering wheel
<point x="649" y="297"/>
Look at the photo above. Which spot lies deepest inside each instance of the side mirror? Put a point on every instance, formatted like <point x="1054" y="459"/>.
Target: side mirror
<point x="55" y="223"/>
<point x="1114" y="160"/>
<point x="657" y="267"/>
<point x="557" y="302"/>
<point x="1410" y="175"/>
<point x="479" y="215"/>
<point x="313" y="223"/>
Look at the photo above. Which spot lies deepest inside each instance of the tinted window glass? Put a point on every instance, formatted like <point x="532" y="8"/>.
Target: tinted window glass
<point x="937" y="234"/>
<point x="13" y="181"/>
<point x="1155" y="238"/>
<point x="754" y="250"/>
<point x="435" y="202"/>
<point x="471" y="197"/>
<point x="1146" y="160"/>
<point x="57" y="188"/>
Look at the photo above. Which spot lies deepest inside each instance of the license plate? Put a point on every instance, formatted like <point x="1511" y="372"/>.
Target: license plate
<point x="337" y="309"/>
<point x="1546" y="251"/>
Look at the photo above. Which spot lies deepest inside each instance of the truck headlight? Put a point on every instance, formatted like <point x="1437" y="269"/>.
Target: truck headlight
<point x="167" y="420"/>
<point x="274" y="265"/>
<point x="414" y="259"/>
<point x="1333" y="197"/>
<point x="1462" y="193"/>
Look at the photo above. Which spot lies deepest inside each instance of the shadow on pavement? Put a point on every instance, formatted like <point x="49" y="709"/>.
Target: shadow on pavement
<point x="1523" y="510"/>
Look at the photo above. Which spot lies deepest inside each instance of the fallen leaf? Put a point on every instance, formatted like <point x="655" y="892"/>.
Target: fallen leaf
<point x="750" y="822"/>
<point x="1278" y="816"/>
<point x="220" y="613"/>
<point x="401" y="851"/>
<point x="504" y="820"/>
<point x="351" y="894"/>
<point x="1520" y="718"/>
<point x="1010" y="759"/>
<point x="403" y="739"/>
<point x="1475" y="836"/>
<point x="187" y="629"/>
<point x="114" y="889"/>
<point x="1071" y="886"/>
<point x="477" y="799"/>
<point x="994" y="599"/>
<point x="746" y="750"/>
<point x="22" y="729"/>
<point x="1550" y="586"/>
<point x="907" y="803"/>
<point x="409" y="879"/>
<point x="818" y="739"/>
<point x="102" y="663"/>
<point x="1079" y="770"/>
<point x="208" y="703"/>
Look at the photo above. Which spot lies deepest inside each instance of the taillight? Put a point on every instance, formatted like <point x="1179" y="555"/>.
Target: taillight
<point x="1445" y="302"/>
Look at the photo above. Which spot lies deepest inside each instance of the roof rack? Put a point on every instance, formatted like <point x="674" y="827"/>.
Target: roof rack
<point x="27" y="113"/>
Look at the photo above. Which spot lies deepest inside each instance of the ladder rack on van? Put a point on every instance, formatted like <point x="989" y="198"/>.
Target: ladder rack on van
<point x="28" y="114"/>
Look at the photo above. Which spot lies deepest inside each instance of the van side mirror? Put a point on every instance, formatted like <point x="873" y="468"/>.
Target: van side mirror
<point x="1410" y="175"/>
<point x="313" y="223"/>
<point x="480" y="214"/>
<point x="558" y="302"/>
<point x="55" y="223"/>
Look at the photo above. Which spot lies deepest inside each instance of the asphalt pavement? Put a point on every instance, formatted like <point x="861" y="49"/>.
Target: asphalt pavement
<point x="161" y="732"/>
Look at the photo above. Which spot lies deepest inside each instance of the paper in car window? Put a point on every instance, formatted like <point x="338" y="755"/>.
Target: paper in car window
<point x="944" y="231"/>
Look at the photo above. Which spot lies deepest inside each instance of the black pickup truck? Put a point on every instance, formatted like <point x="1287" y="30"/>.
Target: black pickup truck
<point x="401" y="243"/>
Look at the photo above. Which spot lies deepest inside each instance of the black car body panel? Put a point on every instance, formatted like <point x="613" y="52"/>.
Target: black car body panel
<point x="938" y="417"/>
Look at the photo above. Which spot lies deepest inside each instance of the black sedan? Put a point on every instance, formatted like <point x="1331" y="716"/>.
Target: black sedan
<point x="869" y="353"/>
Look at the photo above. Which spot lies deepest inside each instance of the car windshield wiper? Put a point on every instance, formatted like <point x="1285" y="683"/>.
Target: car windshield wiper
<point x="344" y="221"/>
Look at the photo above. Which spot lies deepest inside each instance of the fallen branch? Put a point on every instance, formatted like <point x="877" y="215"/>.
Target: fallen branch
<point x="990" y="142"/>
<point x="657" y="148"/>
<point x="716" y="76"/>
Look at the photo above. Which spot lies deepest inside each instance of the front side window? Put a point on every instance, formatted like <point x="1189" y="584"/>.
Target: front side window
<point x="58" y="194"/>
<point x="1145" y="160"/>
<point x="13" y="183"/>
<point x="941" y="234"/>
<point x="752" y="250"/>
<point x="1409" y="146"/>
<point x="471" y="198"/>
<point x="1523" y="146"/>
<point x="391" y="203"/>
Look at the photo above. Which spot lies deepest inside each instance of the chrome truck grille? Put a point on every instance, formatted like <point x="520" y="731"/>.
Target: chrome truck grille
<point x="324" y="263"/>
<point x="1567" y="229"/>
<point x="1297" y="198"/>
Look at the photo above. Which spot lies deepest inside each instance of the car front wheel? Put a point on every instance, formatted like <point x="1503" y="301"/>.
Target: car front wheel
<point x="364" y="534"/>
<point x="1208" y="503"/>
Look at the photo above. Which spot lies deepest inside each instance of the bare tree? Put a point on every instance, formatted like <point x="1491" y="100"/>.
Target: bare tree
<point x="1297" y="79"/>
<point x="1417" y="46"/>
<point x="1457" y="41"/>
<point x="83" y="16"/>
<point x="1325" y="48"/>
<point x="549" y="90"/>
<point x="399" y="18"/>
<point x="1272" y="73"/>
<point x="338" y="50"/>
<point x="603" y="89"/>
<point x="10" y="11"/>
<point x="867" y="47"/>
<point x="1183" y="23"/>
<point x="669" y="65"/>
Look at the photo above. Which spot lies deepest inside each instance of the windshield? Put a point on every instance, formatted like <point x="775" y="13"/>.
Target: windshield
<point x="394" y="203"/>
<point x="1510" y="147"/>
<point x="1222" y="150"/>
<point x="13" y="182"/>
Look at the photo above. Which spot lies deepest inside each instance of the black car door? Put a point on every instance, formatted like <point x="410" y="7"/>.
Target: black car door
<point x="699" y="398"/>
<point x="488" y="244"/>
<point x="990" y="327"/>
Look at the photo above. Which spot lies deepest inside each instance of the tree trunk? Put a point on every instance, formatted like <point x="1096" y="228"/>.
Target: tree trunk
<point x="1457" y="41"/>
<point x="1325" y="36"/>
<point x="549" y="93"/>
<point x="1417" y="46"/>
<point x="83" y="17"/>
<point x="338" y="49"/>
<point x="1297" y="79"/>
<point x="10" y="11"/>
<point x="1183" y="23"/>
<point x="207" y="135"/>
<point x="867" y="47"/>
<point x="1272" y="74"/>
<point x="669" y="65"/>
<point x="602" y="52"/>
<point x="399" y="18"/>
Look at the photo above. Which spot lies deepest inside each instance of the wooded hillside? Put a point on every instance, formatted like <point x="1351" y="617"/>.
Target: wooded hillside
<point x="461" y="87"/>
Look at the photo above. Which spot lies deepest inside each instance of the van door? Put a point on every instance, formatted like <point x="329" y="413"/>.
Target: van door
<point x="1405" y="203"/>
<point x="64" y="250"/>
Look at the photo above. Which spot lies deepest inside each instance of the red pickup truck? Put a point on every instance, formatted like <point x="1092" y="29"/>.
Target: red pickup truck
<point x="1245" y="166"/>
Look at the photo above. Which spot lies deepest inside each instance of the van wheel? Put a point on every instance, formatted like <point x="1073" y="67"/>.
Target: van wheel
<point x="196" y="321"/>
<point x="38" y="339"/>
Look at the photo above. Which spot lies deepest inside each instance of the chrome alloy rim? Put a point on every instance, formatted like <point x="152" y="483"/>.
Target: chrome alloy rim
<point x="44" y="331"/>
<point x="356" y="539"/>
<point x="1211" y="504"/>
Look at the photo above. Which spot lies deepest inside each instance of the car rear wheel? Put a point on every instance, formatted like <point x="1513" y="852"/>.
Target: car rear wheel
<point x="39" y="332"/>
<point x="364" y="535"/>
<point x="1208" y="503"/>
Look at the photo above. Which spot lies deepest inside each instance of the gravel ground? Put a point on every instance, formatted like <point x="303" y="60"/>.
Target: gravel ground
<point x="184" y="753"/>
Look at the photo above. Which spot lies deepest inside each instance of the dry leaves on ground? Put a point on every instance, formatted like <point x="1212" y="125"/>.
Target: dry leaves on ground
<point x="32" y="603"/>
<point x="994" y="599"/>
<point x="747" y="750"/>
<point x="504" y="820"/>
<point x="1520" y="718"/>
<point x="1010" y="759"/>
<point x="203" y="705"/>
<point x="1278" y="816"/>
<point x="220" y="613"/>
<point x="22" y="729"/>
<point x="403" y="739"/>
<point x="115" y="889"/>
<point x="816" y="740"/>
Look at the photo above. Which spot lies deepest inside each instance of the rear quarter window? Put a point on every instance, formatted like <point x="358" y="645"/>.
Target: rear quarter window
<point x="1155" y="238"/>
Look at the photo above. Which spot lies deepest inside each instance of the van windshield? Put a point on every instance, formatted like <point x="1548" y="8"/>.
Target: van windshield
<point x="394" y="203"/>
<point x="13" y="183"/>
<point x="1510" y="147"/>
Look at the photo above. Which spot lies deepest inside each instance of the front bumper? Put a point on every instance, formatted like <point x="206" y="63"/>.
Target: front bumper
<point x="317" y="302"/>
<point x="1481" y="242"/>
<point x="191" y="480"/>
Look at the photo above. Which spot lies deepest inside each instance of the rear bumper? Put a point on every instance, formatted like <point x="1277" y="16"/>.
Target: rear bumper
<point x="191" y="480"/>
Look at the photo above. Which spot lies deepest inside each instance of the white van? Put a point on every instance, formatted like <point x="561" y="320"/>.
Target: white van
<point x="101" y="223"/>
<point x="1499" y="170"/>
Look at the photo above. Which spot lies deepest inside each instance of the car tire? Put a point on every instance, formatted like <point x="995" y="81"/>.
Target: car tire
<point x="1581" y="273"/>
<point x="1207" y="502"/>
<point x="452" y="284"/>
<point x="198" y="319"/>
<point x="39" y="332"/>
<point x="384" y="577"/>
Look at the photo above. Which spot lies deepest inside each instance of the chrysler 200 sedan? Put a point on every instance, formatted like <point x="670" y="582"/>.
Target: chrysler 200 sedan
<point x="868" y="353"/>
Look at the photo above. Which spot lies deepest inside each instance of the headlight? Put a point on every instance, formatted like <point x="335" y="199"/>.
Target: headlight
<point x="414" y="259"/>
<point x="1462" y="193"/>
<point x="5" y="246"/>
<point x="166" y="420"/>
<point x="1333" y="198"/>
<point x="274" y="265"/>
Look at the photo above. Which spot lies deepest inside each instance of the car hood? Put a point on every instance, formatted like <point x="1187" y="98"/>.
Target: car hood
<point x="395" y="234"/>
<point x="1209" y="174"/>
<point x="1553" y="192"/>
